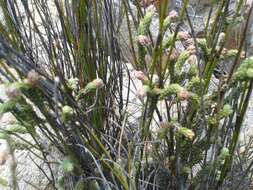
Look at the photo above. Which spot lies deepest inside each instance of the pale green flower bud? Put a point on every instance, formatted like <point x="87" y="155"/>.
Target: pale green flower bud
<point x="72" y="83"/>
<point x="223" y="154"/>
<point x="183" y="57"/>
<point x="172" y="17"/>
<point x="188" y="133"/>
<point x="67" y="112"/>
<point x="250" y="73"/>
<point x="67" y="165"/>
<point x="231" y="53"/>
<point x="202" y="43"/>
<point x="90" y="87"/>
<point x="245" y="71"/>
<point x="145" y="22"/>
<point x="171" y="89"/>
<point x="167" y="42"/>
<point x="226" y="111"/>
<point x="166" y="23"/>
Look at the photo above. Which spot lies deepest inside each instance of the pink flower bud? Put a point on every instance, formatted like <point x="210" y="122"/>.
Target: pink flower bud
<point x="151" y="8"/>
<point x="243" y="55"/>
<point x="140" y="76"/>
<point x="174" y="55"/>
<point x="189" y="42"/>
<point x="3" y="156"/>
<point x="246" y="8"/>
<point x="182" y="36"/>
<point x="163" y="124"/>
<point x="192" y="59"/>
<point x="191" y="49"/>
<point x="173" y="15"/>
<point x="144" y="40"/>
<point x="33" y="77"/>
<point x="141" y="93"/>
<point x="183" y="95"/>
<point x="13" y="92"/>
<point x="224" y="51"/>
<point x="98" y="83"/>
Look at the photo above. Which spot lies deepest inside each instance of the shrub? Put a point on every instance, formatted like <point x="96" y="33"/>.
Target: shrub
<point x="69" y="62"/>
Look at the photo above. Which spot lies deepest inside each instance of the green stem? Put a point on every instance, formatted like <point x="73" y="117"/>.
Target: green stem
<point x="238" y="125"/>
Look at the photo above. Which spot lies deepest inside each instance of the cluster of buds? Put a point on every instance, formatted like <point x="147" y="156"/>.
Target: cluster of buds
<point x="32" y="78"/>
<point x="12" y="92"/>
<point x="144" y="40"/>
<point x="184" y="55"/>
